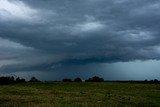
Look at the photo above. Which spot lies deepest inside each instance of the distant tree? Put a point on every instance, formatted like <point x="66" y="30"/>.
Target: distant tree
<point x="151" y="81"/>
<point x="146" y="80"/>
<point x="95" y="79"/>
<point x="67" y="80"/>
<point x="77" y="79"/>
<point x="88" y="80"/>
<point x="18" y="80"/>
<point x="34" y="79"/>
<point x="6" y="80"/>
<point x="12" y="78"/>
<point x="155" y="81"/>
<point x="23" y="80"/>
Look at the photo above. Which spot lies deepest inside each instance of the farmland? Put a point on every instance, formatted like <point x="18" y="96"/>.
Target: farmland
<point x="88" y="94"/>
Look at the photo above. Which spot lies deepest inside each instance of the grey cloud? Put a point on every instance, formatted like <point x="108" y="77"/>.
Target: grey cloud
<point x="83" y="32"/>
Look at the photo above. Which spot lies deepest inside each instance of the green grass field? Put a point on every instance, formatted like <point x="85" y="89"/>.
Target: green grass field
<point x="60" y="94"/>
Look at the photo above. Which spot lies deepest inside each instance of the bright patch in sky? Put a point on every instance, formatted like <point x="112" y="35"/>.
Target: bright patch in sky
<point x="87" y="27"/>
<point x="7" y="62"/>
<point x="10" y="44"/>
<point x="15" y="9"/>
<point x="90" y="26"/>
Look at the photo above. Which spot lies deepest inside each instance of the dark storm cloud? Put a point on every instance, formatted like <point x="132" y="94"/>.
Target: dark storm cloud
<point x="69" y="32"/>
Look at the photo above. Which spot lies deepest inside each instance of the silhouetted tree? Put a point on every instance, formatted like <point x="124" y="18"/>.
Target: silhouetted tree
<point x="146" y="81"/>
<point x="18" y="80"/>
<point x="34" y="79"/>
<point x="88" y="80"/>
<point x="67" y="80"/>
<point x="95" y="79"/>
<point x="6" y="80"/>
<point x="77" y="79"/>
<point x="155" y="81"/>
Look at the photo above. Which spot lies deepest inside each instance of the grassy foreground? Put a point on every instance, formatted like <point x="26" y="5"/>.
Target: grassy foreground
<point x="80" y="95"/>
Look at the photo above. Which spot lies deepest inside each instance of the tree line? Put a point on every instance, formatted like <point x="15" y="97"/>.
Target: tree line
<point x="93" y="79"/>
<point x="11" y="80"/>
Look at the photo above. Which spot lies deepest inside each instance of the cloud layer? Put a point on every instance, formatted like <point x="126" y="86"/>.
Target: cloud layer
<point x="46" y="35"/>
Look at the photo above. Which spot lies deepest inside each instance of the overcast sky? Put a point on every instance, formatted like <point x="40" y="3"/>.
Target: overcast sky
<point x="55" y="39"/>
